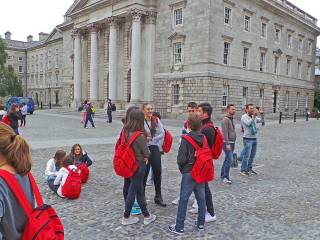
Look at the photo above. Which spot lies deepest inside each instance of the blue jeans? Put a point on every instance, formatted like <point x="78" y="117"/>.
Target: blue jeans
<point x="225" y="170"/>
<point x="250" y="149"/>
<point x="188" y="185"/>
<point x="89" y="118"/>
<point x="51" y="185"/>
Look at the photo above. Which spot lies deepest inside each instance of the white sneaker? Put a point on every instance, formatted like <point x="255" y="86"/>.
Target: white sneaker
<point x="210" y="218"/>
<point x="226" y="180"/>
<point x="176" y="201"/>
<point x="129" y="221"/>
<point x="150" y="219"/>
<point x="193" y="210"/>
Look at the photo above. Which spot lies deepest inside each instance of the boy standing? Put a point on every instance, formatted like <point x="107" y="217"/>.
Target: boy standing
<point x="186" y="160"/>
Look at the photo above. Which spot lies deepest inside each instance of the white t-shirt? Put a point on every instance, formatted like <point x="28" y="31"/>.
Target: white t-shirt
<point x="62" y="177"/>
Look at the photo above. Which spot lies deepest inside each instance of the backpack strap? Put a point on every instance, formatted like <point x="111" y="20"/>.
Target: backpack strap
<point x="134" y="137"/>
<point x="191" y="141"/>
<point x="16" y="189"/>
<point x="35" y="190"/>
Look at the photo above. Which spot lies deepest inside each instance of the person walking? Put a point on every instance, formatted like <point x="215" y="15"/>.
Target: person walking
<point x="155" y="136"/>
<point x="229" y="135"/>
<point x="249" y="123"/>
<point x="89" y="115"/>
<point x="14" y="115"/>
<point x="24" y="112"/>
<point x="108" y="108"/>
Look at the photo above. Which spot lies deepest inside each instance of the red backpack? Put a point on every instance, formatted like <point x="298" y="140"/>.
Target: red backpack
<point x="5" y="119"/>
<point x="42" y="222"/>
<point x="218" y="142"/>
<point x="124" y="161"/>
<point x="71" y="189"/>
<point x="203" y="169"/>
<point x="84" y="172"/>
<point x="168" y="139"/>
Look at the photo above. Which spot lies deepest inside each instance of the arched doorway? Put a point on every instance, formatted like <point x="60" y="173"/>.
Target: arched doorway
<point x="129" y="86"/>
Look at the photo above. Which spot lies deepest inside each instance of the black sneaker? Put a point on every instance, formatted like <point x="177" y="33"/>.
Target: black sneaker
<point x="172" y="228"/>
<point x="244" y="173"/>
<point x="253" y="172"/>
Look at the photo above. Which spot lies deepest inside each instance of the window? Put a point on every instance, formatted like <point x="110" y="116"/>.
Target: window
<point x="175" y="94"/>
<point x="307" y="100"/>
<point x="289" y="41"/>
<point x="278" y="35"/>
<point x="299" y="70"/>
<point x="20" y="69"/>
<point x="245" y="57"/>
<point x="226" y="52"/>
<point x="10" y="57"/>
<point x="262" y="61"/>
<point x="227" y="16"/>
<point x="287" y="100"/>
<point x="261" y="97"/>
<point x="309" y="72"/>
<point x="225" y="96"/>
<point x="177" y="51"/>
<point x="310" y="45"/>
<point x="300" y="45"/>
<point x="20" y="59"/>
<point x="288" y="70"/>
<point x="276" y="65"/>
<point x="247" y="23"/>
<point x="244" y="96"/>
<point x="264" y="30"/>
<point x="297" y="103"/>
<point x="178" y="17"/>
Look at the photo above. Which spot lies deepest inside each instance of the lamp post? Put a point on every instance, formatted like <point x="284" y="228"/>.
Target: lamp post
<point x="49" y="96"/>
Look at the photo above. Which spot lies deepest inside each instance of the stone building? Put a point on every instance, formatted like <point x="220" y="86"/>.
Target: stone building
<point x="317" y="70"/>
<point x="175" y="51"/>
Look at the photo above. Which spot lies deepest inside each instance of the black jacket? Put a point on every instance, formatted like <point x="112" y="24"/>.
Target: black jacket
<point x="14" y="117"/>
<point x="186" y="152"/>
<point x="209" y="132"/>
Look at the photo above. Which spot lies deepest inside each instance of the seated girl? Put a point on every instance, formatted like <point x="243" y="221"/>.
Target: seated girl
<point x="52" y="168"/>
<point x="79" y="156"/>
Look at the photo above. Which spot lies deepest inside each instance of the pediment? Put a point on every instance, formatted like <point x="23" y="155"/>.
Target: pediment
<point x="82" y="4"/>
<point x="55" y="34"/>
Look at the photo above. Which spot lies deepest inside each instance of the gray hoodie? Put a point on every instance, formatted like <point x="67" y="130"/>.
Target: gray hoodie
<point x="248" y="124"/>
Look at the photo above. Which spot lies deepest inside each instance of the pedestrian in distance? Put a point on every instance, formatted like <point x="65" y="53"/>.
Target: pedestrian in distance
<point x="229" y="135"/>
<point x="186" y="160"/>
<point x="109" y="107"/>
<point x="14" y="116"/>
<point x="24" y="112"/>
<point x="89" y="115"/>
<point x="52" y="168"/>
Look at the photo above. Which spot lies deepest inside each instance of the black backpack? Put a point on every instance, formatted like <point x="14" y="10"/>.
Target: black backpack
<point x="113" y="107"/>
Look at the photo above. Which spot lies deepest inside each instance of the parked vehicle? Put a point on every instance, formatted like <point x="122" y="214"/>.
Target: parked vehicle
<point x="19" y="100"/>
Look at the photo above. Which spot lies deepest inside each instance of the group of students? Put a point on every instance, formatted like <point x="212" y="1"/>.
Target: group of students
<point x="65" y="173"/>
<point x="15" y="114"/>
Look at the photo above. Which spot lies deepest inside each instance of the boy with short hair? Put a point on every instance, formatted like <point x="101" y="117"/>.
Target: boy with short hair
<point x="186" y="160"/>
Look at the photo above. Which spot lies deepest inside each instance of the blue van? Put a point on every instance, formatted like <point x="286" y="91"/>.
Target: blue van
<point x="19" y="100"/>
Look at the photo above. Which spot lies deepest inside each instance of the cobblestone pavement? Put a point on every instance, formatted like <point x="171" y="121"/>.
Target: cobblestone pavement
<point x="281" y="202"/>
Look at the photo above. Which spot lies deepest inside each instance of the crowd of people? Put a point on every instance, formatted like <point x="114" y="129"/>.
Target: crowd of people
<point x="144" y="133"/>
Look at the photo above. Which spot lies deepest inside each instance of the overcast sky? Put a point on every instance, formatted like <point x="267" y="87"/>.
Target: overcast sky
<point x="25" y="17"/>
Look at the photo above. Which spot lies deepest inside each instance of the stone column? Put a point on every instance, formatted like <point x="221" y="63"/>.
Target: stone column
<point x="94" y="85"/>
<point x="77" y="68"/>
<point x="150" y="49"/>
<point x="136" y="56"/>
<point x="113" y="59"/>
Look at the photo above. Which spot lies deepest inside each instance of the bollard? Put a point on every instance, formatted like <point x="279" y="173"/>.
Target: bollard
<point x="280" y="118"/>
<point x="294" y="117"/>
<point x="50" y="105"/>
<point x="307" y="117"/>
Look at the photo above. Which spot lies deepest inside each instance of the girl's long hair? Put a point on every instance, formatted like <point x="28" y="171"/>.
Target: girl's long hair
<point x="135" y="122"/>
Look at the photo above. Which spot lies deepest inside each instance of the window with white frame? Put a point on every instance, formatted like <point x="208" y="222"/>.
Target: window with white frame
<point x="245" y="57"/>
<point x="276" y="65"/>
<point x="20" y="69"/>
<point x="288" y="69"/>
<point x="10" y="57"/>
<point x="247" y="23"/>
<point x="278" y="34"/>
<point x="262" y="61"/>
<point x="287" y="100"/>
<point x="299" y="69"/>
<point x="20" y="59"/>
<point x="178" y="17"/>
<point x="289" y="41"/>
<point x="261" y="97"/>
<point x="244" y="96"/>
<point x="227" y="16"/>
<point x="307" y="100"/>
<point x="225" y="96"/>
<point x="226" y="53"/>
<point x="264" y="30"/>
<point x="175" y="94"/>
<point x="300" y="44"/>
<point x="309" y="71"/>
<point x="310" y="46"/>
<point x="297" y="102"/>
<point x="177" y="53"/>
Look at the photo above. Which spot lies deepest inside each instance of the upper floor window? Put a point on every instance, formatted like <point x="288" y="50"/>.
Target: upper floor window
<point x="310" y="46"/>
<point x="247" y="23"/>
<point x="299" y="70"/>
<point x="20" y="69"/>
<point x="300" y="44"/>
<point x="276" y="65"/>
<point x="20" y="58"/>
<point x="309" y="72"/>
<point x="177" y="52"/>
<point x="225" y="96"/>
<point x="227" y="16"/>
<point x="289" y="41"/>
<point x="178" y="17"/>
<point x="262" y="61"/>
<point x="226" y="53"/>
<point x="278" y="34"/>
<point x="264" y="30"/>
<point x="288" y="70"/>
<point x="245" y="57"/>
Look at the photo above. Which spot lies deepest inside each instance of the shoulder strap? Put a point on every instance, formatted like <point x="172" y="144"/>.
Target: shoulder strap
<point x="35" y="190"/>
<point x="191" y="141"/>
<point x="122" y="137"/>
<point x="205" y="142"/>
<point x="134" y="137"/>
<point x="15" y="187"/>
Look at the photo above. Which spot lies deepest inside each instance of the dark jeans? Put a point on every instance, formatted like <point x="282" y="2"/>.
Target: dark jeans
<point x="225" y="169"/>
<point x="23" y="120"/>
<point x="16" y="130"/>
<point x="136" y="191"/>
<point x="89" y="118"/>
<point x="209" y="203"/>
<point x="188" y="185"/>
<point x="109" y="113"/>
<point x="250" y="149"/>
<point x="155" y="162"/>
<point x="52" y="186"/>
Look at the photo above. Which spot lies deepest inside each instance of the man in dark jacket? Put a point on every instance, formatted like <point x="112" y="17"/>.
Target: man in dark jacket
<point x="205" y="111"/>
<point x="186" y="160"/>
<point x="14" y="115"/>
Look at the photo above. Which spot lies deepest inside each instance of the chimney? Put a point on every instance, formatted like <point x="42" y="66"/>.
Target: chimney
<point x="8" y="35"/>
<point x="30" y="38"/>
<point x="43" y="36"/>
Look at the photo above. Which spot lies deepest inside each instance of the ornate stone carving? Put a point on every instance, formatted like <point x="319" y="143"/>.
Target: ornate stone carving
<point x="76" y="32"/>
<point x="136" y="14"/>
<point x="151" y="17"/>
<point x="113" y="21"/>
<point x="93" y="27"/>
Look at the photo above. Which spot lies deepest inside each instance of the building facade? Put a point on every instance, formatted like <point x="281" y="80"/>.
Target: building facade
<point x="171" y="52"/>
<point x="317" y="70"/>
